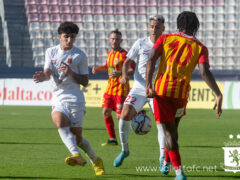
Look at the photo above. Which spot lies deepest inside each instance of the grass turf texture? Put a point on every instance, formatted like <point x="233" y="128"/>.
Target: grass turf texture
<point x="30" y="147"/>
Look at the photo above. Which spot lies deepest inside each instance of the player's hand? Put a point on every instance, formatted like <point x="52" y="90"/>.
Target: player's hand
<point x="124" y="80"/>
<point x="65" y="68"/>
<point x="150" y="93"/>
<point x="94" y="70"/>
<point x="218" y="105"/>
<point x="39" y="76"/>
<point x="115" y="74"/>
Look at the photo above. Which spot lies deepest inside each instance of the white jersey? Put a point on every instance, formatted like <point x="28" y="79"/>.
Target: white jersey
<point x="140" y="53"/>
<point x="66" y="90"/>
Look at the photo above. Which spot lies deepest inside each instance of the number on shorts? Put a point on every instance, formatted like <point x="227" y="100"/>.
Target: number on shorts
<point x="133" y="99"/>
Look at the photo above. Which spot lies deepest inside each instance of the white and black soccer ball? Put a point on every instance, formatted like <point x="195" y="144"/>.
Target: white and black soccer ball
<point x="141" y="124"/>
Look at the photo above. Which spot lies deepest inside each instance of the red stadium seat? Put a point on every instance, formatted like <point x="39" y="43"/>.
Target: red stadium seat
<point x="65" y="17"/>
<point x="209" y="3"/>
<point x="42" y="9"/>
<point x="31" y="8"/>
<point x="119" y="10"/>
<point x="30" y="2"/>
<point x="64" y="2"/>
<point x="42" y="2"/>
<point x="162" y="3"/>
<point x="76" y="18"/>
<point x="97" y="2"/>
<point x="44" y="18"/>
<point x="53" y="9"/>
<point x="129" y="3"/>
<point x="75" y="2"/>
<point x="76" y="9"/>
<point x="140" y="3"/>
<point x="55" y="18"/>
<point x="130" y="10"/>
<point x="140" y="10"/>
<point x="108" y="2"/>
<point x="197" y="3"/>
<point x="119" y="2"/>
<point x="107" y="10"/>
<point x="186" y="2"/>
<point x="53" y="2"/>
<point x="86" y="10"/>
<point x="152" y="3"/>
<point x="97" y="10"/>
<point x="175" y="3"/>
<point x="64" y="9"/>
<point x="33" y="18"/>
<point x="86" y="3"/>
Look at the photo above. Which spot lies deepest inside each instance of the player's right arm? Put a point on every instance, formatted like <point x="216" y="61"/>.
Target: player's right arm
<point x="40" y="76"/>
<point x="209" y="79"/>
<point x="125" y="71"/>
<point x="100" y="68"/>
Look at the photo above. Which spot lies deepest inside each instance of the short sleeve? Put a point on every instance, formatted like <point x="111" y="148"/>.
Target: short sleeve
<point x="48" y="58"/>
<point x="159" y="43"/>
<point x="203" y="58"/>
<point x="133" y="52"/>
<point x="83" y="65"/>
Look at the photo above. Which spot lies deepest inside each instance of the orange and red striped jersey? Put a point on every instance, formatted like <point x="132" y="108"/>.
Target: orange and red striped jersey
<point x="114" y="62"/>
<point x="180" y="53"/>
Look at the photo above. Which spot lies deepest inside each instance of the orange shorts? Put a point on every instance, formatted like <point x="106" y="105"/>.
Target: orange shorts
<point x="113" y="102"/>
<point x="167" y="109"/>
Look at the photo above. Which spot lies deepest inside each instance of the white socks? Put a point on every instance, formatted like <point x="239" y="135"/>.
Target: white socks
<point x="86" y="147"/>
<point x="68" y="139"/>
<point x="161" y="140"/>
<point x="124" y="127"/>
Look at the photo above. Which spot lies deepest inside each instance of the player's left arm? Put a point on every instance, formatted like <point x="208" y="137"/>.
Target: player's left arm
<point x="209" y="79"/>
<point x="155" y="54"/>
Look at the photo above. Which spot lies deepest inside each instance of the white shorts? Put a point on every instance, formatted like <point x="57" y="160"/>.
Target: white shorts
<point x="138" y="101"/>
<point x="75" y="113"/>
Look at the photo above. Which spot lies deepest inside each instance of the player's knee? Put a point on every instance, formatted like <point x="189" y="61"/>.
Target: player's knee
<point x="106" y="113"/>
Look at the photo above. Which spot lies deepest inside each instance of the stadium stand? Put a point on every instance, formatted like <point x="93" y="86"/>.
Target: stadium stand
<point x="32" y="25"/>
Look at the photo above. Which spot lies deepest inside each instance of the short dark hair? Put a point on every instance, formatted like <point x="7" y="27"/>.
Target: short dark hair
<point x="68" y="28"/>
<point x="187" y="21"/>
<point x="116" y="31"/>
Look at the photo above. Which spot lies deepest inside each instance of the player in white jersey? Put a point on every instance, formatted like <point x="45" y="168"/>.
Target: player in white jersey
<point x="67" y="67"/>
<point x="136" y="99"/>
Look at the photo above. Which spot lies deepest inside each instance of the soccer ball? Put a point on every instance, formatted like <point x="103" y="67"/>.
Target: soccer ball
<point x="141" y="124"/>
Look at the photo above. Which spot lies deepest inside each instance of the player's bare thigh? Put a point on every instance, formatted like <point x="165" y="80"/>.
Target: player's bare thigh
<point x="60" y="119"/>
<point x="128" y="112"/>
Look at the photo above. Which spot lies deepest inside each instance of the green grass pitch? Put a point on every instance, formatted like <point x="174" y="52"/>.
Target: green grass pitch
<point x="31" y="149"/>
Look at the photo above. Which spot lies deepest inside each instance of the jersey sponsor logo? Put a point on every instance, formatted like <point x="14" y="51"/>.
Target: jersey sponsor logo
<point x="115" y="61"/>
<point x="146" y="52"/>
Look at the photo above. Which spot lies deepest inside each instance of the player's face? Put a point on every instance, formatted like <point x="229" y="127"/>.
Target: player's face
<point x="155" y="28"/>
<point x="67" y="40"/>
<point x="115" y="41"/>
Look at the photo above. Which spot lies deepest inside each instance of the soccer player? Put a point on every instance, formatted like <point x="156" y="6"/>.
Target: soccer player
<point x="67" y="67"/>
<point x="116" y="92"/>
<point x="180" y="53"/>
<point x="139" y="53"/>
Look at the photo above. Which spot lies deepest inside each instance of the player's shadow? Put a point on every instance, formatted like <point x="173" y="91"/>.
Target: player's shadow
<point x="30" y="143"/>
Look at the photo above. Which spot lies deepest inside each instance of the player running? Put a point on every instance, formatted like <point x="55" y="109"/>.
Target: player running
<point x="180" y="53"/>
<point x="68" y="68"/>
<point x="116" y="92"/>
<point x="136" y="99"/>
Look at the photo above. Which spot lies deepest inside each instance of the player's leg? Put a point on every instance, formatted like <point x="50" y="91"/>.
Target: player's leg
<point x="108" y="106"/>
<point x="161" y="136"/>
<point x="132" y="105"/>
<point x="83" y="143"/>
<point x="62" y="122"/>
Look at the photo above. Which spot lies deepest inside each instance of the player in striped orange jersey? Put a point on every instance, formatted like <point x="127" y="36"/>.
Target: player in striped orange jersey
<point x="180" y="53"/>
<point x="116" y="92"/>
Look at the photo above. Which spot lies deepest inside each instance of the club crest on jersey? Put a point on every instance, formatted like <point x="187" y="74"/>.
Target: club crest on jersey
<point x="53" y="61"/>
